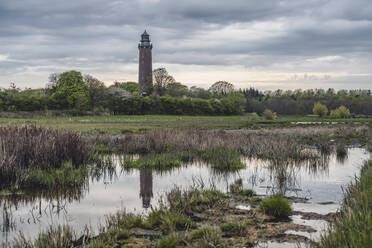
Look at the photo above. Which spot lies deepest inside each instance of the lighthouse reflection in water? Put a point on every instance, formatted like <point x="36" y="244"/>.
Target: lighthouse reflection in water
<point x="146" y="187"/>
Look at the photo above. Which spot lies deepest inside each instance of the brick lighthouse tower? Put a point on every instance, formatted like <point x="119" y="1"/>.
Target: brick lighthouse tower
<point x="145" y="64"/>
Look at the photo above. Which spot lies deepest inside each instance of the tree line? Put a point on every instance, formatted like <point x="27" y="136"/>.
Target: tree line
<point x="76" y="92"/>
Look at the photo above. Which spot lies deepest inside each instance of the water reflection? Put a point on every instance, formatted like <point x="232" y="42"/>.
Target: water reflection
<point x="110" y="187"/>
<point x="146" y="193"/>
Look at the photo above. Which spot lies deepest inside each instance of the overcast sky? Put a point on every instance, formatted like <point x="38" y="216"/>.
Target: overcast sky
<point x="267" y="44"/>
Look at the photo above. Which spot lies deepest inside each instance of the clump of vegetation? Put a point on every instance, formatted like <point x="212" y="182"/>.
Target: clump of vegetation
<point x="111" y="238"/>
<point x="340" y="112"/>
<point x="124" y="220"/>
<point x="238" y="228"/>
<point x="254" y="116"/>
<point x="247" y="192"/>
<point x="207" y="237"/>
<point x="276" y="206"/>
<point x="171" y="241"/>
<point x="237" y="186"/>
<point x="222" y="158"/>
<point x="269" y="115"/>
<point x="353" y="227"/>
<point x="320" y="109"/>
<point x="162" y="161"/>
<point x="195" y="200"/>
<point x="174" y="221"/>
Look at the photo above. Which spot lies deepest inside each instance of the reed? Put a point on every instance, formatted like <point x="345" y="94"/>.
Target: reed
<point x="353" y="226"/>
<point x="28" y="152"/>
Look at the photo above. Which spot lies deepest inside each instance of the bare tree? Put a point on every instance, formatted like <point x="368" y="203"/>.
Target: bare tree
<point x="221" y="88"/>
<point x="162" y="79"/>
<point x="53" y="79"/>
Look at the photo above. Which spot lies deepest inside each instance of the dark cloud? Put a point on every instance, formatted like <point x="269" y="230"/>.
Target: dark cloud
<point x="41" y="36"/>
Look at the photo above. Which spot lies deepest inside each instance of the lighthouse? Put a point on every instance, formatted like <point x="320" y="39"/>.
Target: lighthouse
<point x="145" y="65"/>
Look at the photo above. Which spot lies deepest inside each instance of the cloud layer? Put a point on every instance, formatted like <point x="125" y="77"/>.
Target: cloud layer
<point x="266" y="44"/>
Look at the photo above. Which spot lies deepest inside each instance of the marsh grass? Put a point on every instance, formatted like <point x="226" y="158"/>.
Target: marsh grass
<point x="234" y="229"/>
<point x="207" y="237"/>
<point x="220" y="149"/>
<point x="58" y="237"/>
<point x="171" y="241"/>
<point x="353" y="226"/>
<point x="28" y="153"/>
<point x="194" y="200"/>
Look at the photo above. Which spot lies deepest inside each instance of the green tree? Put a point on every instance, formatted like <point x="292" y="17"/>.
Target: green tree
<point x="71" y="92"/>
<point x="97" y="91"/>
<point x="234" y="103"/>
<point x="131" y="87"/>
<point x="320" y="109"/>
<point x="176" y="89"/>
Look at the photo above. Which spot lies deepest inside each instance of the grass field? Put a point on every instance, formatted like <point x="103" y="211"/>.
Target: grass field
<point x="120" y="124"/>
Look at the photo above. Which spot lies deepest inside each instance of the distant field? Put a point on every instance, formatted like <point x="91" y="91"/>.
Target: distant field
<point x="141" y="123"/>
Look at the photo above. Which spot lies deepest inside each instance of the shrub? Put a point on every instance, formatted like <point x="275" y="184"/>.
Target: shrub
<point x="320" y="109"/>
<point x="276" y="206"/>
<point x="269" y="115"/>
<point x="254" y="116"/>
<point x="335" y="114"/>
<point x="340" y="112"/>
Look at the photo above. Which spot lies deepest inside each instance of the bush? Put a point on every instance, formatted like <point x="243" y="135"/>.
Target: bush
<point x="276" y="206"/>
<point x="269" y="115"/>
<point x="340" y="112"/>
<point x="335" y="114"/>
<point x="344" y="112"/>
<point x="255" y="116"/>
<point x="320" y="109"/>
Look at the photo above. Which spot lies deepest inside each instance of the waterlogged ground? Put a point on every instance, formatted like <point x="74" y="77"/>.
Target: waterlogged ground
<point x="312" y="190"/>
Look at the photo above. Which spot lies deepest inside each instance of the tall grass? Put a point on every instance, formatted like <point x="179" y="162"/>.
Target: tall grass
<point x="28" y="148"/>
<point x="353" y="226"/>
<point x="219" y="149"/>
<point x="57" y="237"/>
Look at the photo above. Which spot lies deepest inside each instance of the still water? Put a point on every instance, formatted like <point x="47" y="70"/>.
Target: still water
<point x="313" y="189"/>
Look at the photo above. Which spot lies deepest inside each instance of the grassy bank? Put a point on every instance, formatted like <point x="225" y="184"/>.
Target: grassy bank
<point x="353" y="227"/>
<point x="141" y="123"/>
